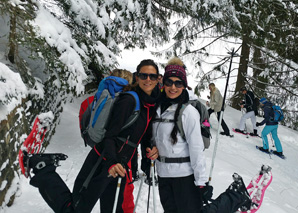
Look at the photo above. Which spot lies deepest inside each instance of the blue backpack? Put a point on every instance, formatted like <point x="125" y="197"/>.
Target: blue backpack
<point x="94" y="117"/>
<point x="278" y="114"/>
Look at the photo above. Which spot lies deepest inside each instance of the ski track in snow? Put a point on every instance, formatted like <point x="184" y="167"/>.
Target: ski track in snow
<point x="236" y="154"/>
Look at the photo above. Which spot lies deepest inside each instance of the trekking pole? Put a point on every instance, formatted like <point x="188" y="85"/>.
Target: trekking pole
<point x="88" y="179"/>
<point x="139" y="192"/>
<point x="148" y="193"/>
<point x="272" y="140"/>
<point x="245" y="127"/>
<point x="220" y="118"/>
<point x="117" y="194"/>
<point x="153" y="185"/>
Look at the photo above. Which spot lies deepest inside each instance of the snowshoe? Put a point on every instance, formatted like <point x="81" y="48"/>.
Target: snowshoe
<point x="262" y="149"/>
<point x="279" y="154"/>
<point x="239" y="131"/>
<point x="226" y="134"/>
<point x="39" y="161"/>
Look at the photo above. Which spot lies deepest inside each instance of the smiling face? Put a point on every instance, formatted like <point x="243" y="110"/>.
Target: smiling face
<point x="147" y="85"/>
<point x="173" y="92"/>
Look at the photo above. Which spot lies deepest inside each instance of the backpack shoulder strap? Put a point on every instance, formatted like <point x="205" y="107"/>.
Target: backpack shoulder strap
<point x="179" y="120"/>
<point x="132" y="118"/>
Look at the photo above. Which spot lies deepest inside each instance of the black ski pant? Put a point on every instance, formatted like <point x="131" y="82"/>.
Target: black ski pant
<point x="179" y="195"/>
<point x="61" y="200"/>
<point x="223" y="123"/>
<point x="227" y="202"/>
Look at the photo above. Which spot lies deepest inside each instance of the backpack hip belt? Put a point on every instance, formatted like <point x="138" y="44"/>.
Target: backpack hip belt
<point x="163" y="159"/>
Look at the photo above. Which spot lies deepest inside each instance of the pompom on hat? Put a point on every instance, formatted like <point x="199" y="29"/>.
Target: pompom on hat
<point x="175" y="71"/>
<point x="263" y="100"/>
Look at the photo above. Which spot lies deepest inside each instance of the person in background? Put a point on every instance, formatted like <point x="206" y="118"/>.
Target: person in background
<point x="248" y="104"/>
<point x="215" y="105"/>
<point x="116" y="154"/>
<point x="160" y="81"/>
<point x="270" y="127"/>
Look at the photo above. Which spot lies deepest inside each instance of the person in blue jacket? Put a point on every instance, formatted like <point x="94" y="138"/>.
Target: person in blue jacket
<point x="271" y="127"/>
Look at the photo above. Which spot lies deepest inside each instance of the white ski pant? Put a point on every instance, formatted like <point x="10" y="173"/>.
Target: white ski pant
<point x="245" y="116"/>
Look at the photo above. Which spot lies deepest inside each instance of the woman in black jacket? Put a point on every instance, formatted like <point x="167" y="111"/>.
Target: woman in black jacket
<point x="116" y="154"/>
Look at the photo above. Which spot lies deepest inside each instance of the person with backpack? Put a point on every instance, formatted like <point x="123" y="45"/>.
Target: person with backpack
<point x="215" y="105"/>
<point x="108" y="159"/>
<point x="181" y="165"/>
<point x="270" y="127"/>
<point x="248" y="104"/>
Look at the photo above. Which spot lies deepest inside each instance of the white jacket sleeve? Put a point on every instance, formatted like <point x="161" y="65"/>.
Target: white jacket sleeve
<point x="192" y="129"/>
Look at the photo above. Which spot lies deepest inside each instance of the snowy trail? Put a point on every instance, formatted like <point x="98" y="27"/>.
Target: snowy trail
<point x="236" y="154"/>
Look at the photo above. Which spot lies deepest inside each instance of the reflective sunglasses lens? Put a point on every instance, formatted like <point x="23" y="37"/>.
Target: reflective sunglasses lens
<point x="178" y="84"/>
<point x="168" y="82"/>
<point x="153" y="77"/>
<point x="144" y="76"/>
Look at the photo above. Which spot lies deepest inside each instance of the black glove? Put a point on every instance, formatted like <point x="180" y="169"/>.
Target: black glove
<point x="258" y="124"/>
<point x="206" y="192"/>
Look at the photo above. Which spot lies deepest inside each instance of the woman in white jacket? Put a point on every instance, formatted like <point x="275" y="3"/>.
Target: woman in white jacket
<point x="181" y="166"/>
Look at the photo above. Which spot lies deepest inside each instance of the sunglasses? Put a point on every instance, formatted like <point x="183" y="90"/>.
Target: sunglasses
<point x="168" y="82"/>
<point x="144" y="76"/>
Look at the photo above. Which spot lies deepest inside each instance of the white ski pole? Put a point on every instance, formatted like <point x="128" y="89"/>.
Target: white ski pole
<point x="220" y="118"/>
<point x="139" y="192"/>
<point x="153" y="185"/>
<point x="215" y="147"/>
<point x="117" y="194"/>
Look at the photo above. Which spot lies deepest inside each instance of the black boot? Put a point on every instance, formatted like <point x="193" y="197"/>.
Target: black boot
<point x="277" y="153"/>
<point x="239" y="186"/>
<point x="263" y="150"/>
<point x="39" y="161"/>
<point x="255" y="133"/>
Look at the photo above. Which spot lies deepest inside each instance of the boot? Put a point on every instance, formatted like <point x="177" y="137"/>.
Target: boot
<point x="239" y="186"/>
<point x="277" y="153"/>
<point x="263" y="150"/>
<point x="255" y="133"/>
<point x="240" y="131"/>
<point x="39" y="161"/>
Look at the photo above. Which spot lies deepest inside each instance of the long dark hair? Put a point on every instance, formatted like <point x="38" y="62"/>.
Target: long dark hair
<point x="182" y="99"/>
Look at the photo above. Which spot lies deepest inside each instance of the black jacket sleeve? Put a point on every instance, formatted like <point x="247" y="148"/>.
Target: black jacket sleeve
<point x="122" y="109"/>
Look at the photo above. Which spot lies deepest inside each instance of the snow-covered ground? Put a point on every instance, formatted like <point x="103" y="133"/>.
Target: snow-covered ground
<point x="236" y="154"/>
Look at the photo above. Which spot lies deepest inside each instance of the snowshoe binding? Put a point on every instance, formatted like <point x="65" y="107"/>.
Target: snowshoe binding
<point x="39" y="161"/>
<point x="239" y="186"/>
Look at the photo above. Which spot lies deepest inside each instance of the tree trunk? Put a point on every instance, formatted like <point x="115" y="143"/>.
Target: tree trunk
<point x="259" y="82"/>
<point x="242" y="71"/>
<point x="12" y="38"/>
